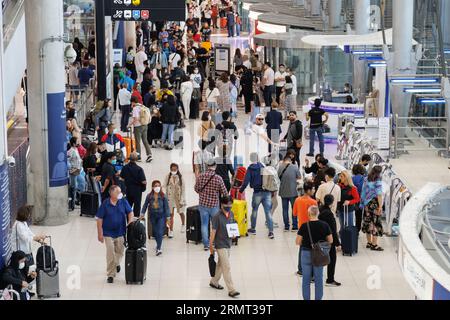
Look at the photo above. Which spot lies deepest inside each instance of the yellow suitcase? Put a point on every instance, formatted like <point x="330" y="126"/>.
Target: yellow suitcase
<point x="240" y="212"/>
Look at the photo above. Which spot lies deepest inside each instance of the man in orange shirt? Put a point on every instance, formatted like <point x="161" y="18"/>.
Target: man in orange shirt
<point x="301" y="207"/>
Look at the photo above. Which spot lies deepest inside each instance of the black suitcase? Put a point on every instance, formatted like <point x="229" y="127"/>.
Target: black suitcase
<point x="90" y="200"/>
<point x="89" y="204"/>
<point x="151" y="234"/>
<point x="193" y="225"/>
<point x="47" y="269"/>
<point x="349" y="236"/>
<point x="136" y="266"/>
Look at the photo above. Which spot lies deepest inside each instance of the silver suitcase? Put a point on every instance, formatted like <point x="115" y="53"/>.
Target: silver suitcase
<point x="47" y="281"/>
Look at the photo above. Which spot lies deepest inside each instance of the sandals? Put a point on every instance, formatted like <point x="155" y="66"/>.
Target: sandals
<point x="369" y="245"/>
<point x="376" y="248"/>
<point x="218" y="287"/>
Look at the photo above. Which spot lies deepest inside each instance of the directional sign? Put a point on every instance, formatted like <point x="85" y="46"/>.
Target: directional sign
<point x="141" y="10"/>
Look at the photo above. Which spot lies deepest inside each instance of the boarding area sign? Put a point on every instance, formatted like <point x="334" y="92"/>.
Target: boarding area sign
<point x="146" y="10"/>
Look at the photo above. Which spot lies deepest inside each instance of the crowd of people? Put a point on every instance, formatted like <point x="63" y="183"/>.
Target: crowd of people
<point x="165" y="83"/>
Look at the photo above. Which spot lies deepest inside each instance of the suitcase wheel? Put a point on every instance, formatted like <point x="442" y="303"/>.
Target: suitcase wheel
<point x="142" y="283"/>
<point x="58" y="295"/>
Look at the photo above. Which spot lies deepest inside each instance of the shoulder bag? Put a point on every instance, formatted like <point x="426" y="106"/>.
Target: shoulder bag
<point x="282" y="173"/>
<point x="320" y="253"/>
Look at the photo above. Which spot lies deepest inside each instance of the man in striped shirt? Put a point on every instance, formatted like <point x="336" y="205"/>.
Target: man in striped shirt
<point x="210" y="187"/>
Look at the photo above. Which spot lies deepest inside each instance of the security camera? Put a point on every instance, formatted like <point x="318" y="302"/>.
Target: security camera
<point x="70" y="54"/>
<point x="11" y="162"/>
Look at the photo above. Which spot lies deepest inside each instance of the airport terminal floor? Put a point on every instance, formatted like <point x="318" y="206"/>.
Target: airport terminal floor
<point x="337" y="82"/>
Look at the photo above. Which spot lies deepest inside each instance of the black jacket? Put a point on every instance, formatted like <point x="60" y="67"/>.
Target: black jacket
<point x="274" y="120"/>
<point x="133" y="176"/>
<point x="224" y="169"/>
<point x="314" y="169"/>
<point x="326" y="215"/>
<point x="14" y="277"/>
<point x="247" y="83"/>
<point x="298" y="133"/>
<point x="230" y="127"/>
<point x="169" y="114"/>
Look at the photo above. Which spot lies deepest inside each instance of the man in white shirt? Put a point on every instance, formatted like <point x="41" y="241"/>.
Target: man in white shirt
<point x="280" y="81"/>
<point x="140" y="131"/>
<point x="174" y="58"/>
<point x="139" y="60"/>
<point x="246" y="62"/>
<point x="259" y="140"/>
<point x="124" y="97"/>
<point x="329" y="188"/>
<point x="268" y="82"/>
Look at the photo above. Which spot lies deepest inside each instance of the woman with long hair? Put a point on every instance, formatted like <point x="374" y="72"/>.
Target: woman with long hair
<point x="158" y="213"/>
<point x="372" y="204"/>
<point x="238" y="58"/>
<point x="349" y="198"/>
<point x="175" y="188"/>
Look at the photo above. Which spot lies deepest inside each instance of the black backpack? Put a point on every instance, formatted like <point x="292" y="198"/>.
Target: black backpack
<point x="136" y="237"/>
<point x="45" y="258"/>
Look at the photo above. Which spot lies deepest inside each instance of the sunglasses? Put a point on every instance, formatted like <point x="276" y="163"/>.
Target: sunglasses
<point x="259" y="119"/>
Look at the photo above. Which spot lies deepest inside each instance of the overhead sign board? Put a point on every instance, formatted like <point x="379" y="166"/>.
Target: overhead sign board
<point x="142" y="10"/>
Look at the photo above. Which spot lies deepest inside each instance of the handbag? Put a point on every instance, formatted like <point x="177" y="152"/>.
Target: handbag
<point x="74" y="172"/>
<point x="212" y="265"/>
<point x="326" y="128"/>
<point x="298" y="144"/>
<point x="320" y="253"/>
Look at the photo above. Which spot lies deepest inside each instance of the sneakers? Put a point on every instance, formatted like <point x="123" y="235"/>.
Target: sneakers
<point x="310" y="155"/>
<point x="332" y="283"/>
<point x="183" y="229"/>
<point x="158" y="253"/>
<point x="110" y="280"/>
<point x="205" y="248"/>
<point x="233" y="294"/>
<point x="252" y="231"/>
<point x="170" y="234"/>
<point x="271" y="236"/>
<point x="149" y="159"/>
<point x="118" y="269"/>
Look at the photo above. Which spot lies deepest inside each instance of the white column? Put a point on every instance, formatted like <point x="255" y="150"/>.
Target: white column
<point x="48" y="178"/>
<point x="362" y="16"/>
<point x="334" y="13"/>
<point x="3" y="127"/>
<point x="130" y="34"/>
<point x="315" y="7"/>
<point x="403" y="14"/>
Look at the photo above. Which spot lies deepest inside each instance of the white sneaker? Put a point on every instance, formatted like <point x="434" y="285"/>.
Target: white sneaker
<point x="183" y="229"/>
<point x="170" y="234"/>
<point x="158" y="253"/>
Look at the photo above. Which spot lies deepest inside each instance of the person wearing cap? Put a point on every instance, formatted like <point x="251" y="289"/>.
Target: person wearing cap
<point x="209" y="187"/>
<point x="260" y="196"/>
<point x="220" y="242"/>
<point x="128" y="80"/>
<point x="260" y="140"/>
<point x="315" y="116"/>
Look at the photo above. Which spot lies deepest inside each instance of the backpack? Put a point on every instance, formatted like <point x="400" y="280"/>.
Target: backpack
<point x="136" y="237"/>
<point x="144" y="116"/>
<point x="271" y="182"/>
<point x="45" y="258"/>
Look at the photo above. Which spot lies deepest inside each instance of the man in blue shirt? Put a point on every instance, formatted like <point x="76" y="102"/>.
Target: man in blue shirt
<point x="112" y="218"/>
<point x="127" y="79"/>
<point x="85" y="74"/>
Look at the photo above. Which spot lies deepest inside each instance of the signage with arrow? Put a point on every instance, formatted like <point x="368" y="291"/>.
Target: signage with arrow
<point x="142" y="10"/>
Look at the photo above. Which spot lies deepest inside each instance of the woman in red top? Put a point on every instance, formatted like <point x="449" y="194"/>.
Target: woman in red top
<point x="137" y="93"/>
<point x="214" y="15"/>
<point x="349" y="198"/>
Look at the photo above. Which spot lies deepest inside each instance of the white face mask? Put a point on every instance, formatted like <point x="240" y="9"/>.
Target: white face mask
<point x="115" y="131"/>
<point x="174" y="173"/>
<point x="157" y="189"/>
<point x="196" y="71"/>
<point x="120" y="196"/>
<point x="21" y="265"/>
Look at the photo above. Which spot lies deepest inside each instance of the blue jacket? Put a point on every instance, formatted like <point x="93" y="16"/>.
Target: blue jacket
<point x="254" y="178"/>
<point x="274" y="120"/>
<point x="163" y="210"/>
<point x="358" y="181"/>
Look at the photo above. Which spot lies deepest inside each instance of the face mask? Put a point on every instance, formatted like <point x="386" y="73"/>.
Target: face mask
<point x="120" y="196"/>
<point x="196" y="71"/>
<point x="21" y="265"/>
<point x="174" y="173"/>
<point x="115" y="131"/>
<point x="227" y="209"/>
<point x="114" y="162"/>
<point x="157" y="189"/>
<point x="282" y="70"/>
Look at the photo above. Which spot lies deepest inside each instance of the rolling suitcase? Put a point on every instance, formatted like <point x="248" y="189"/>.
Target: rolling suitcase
<point x="91" y="199"/>
<point x="349" y="236"/>
<point x="136" y="266"/>
<point x="150" y="232"/>
<point x="47" y="281"/>
<point x="240" y="212"/>
<point x="193" y="225"/>
<point x="130" y="144"/>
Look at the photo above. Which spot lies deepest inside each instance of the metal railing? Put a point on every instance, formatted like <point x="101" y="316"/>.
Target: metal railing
<point x="414" y="124"/>
<point x="86" y="100"/>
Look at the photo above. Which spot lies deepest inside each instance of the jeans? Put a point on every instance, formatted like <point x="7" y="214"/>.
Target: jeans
<point x="231" y="30"/>
<point x="285" y="203"/>
<point x="312" y="132"/>
<point x="350" y="220"/>
<point x="126" y="110"/>
<point x="206" y="215"/>
<point x="238" y="30"/>
<point x="264" y="198"/>
<point x="268" y="92"/>
<point x="72" y="191"/>
<point x="167" y="134"/>
<point x="308" y="270"/>
<point x="158" y="226"/>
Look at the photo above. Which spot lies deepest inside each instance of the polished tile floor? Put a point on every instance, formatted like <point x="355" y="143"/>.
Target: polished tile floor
<point x="261" y="268"/>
